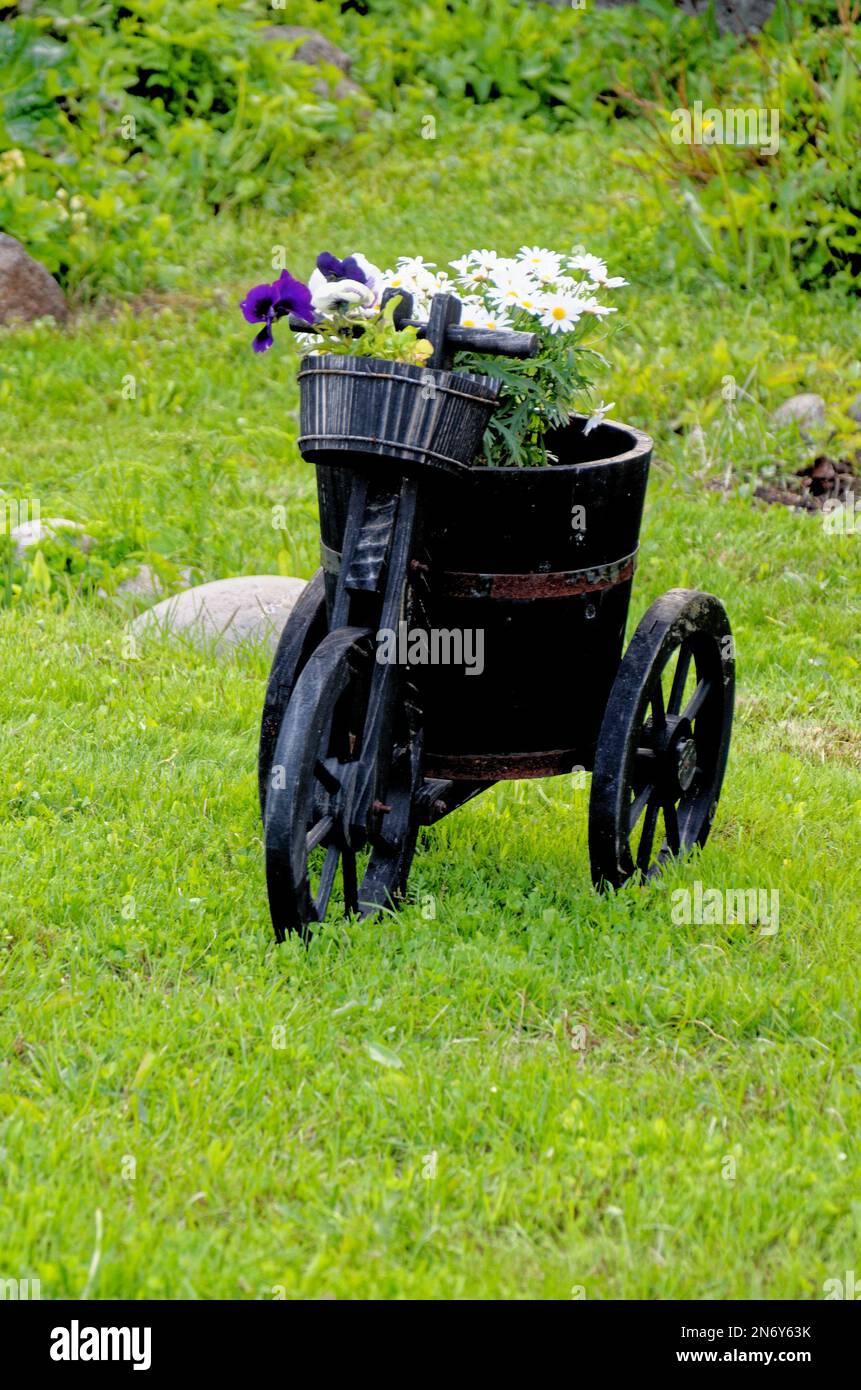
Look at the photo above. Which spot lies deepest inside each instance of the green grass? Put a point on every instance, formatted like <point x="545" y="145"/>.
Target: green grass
<point x="144" y="1003"/>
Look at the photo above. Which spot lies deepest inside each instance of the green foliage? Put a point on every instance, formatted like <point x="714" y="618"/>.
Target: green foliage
<point x="559" y="64"/>
<point x="122" y="127"/>
<point x="379" y="338"/>
<point x="152" y="116"/>
<point x="750" y="213"/>
<point x="141" y="989"/>
<point x="536" y="395"/>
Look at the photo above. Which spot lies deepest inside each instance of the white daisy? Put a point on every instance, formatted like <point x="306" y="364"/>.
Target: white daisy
<point x="415" y="267"/>
<point x="473" y="273"/>
<point x="475" y="315"/>
<point x="593" y="265"/>
<point x="496" y="322"/>
<point x="560" y="312"/>
<point x="597" y="416"/>
<point x="543" y="264"/>
<point x="472" y="313"/>
<point x="511" y="284"/>
<point x="592" y="306"/>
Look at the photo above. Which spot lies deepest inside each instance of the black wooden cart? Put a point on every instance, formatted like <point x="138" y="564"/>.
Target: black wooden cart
<point x="356" y="754"/>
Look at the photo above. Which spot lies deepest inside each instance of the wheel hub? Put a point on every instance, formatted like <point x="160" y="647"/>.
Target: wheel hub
<point x="686" y="762"/>
<point x="677" y="757"/>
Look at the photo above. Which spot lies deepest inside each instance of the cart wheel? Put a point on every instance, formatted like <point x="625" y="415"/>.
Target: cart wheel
<point x="664" y="740"/>
<point x="303" y="631"/>
<point x="312" y="803"/>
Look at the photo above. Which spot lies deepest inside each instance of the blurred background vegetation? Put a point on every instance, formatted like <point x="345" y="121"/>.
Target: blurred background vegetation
<point x="156" y="115"/>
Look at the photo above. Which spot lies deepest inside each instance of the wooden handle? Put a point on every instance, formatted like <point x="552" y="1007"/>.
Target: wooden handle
<point x="493" y="342"/>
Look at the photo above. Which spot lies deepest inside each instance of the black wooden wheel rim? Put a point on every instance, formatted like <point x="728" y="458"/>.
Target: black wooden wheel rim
<point x="664" y="740"/>
<point x="311" y="836"/>
<point x="303" y="632"/>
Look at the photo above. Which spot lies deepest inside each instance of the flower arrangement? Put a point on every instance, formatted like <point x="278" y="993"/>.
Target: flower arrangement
<point x="549" y="293"/>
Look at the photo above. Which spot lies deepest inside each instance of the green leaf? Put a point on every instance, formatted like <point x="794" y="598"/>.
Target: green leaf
<point x="384" y="1055"/>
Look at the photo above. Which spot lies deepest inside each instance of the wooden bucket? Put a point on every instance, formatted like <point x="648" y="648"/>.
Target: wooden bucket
<point x="374" y="409"/>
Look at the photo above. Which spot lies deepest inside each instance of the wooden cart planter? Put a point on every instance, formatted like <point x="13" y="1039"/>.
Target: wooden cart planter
<point x="357" y="754"/>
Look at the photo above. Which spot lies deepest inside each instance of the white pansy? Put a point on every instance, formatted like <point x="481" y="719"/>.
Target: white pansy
<point x="372" y="273"/>
<point x="328" y="295"/>
<point x="597" y="416"/>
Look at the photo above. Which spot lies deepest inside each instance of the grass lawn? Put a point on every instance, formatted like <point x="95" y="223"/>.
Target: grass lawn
<point x="398" y="1111"/>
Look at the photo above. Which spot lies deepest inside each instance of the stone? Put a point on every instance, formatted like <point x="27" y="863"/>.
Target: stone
<point x="31" y="533"/>
<point x="806" y="410"/>
<point x="854" y="410"/>
<point x="735" y="16"/>
<point x="228" y="612"/>
<point x="145" y="583"/>
<point x="313" y="49"/>
<point x="27" y="291"/>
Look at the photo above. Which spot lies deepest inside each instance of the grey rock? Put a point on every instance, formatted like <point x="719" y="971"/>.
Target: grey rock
<point x="228" y="612"/>
<point x="854" y="410"/>
<point x="27" y="291"/>
<point x="31" y="533"/>
<point x="736" y="16"/>
<point x="145" y="583"/>
<point x="806" y="410"/>
<point x="313" y="49"/>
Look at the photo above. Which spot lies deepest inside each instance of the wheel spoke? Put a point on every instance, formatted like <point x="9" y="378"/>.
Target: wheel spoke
<point x="697" y="700"/>
<point x="351" y="890"/>
<point x="317" y="834"/>
<point x="671" y="825"/>
<point x="327" y="878"/>
<point x="638" y="806"/>
<point x="644" y="853"/>
<point x="683" y="665"/>
<point x="656" y="700"/>
<point x="327" y="778"/>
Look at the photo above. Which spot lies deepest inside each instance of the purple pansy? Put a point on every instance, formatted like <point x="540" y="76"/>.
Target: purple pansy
<point x="333" y="269"/>
<point x="266" y="303"/>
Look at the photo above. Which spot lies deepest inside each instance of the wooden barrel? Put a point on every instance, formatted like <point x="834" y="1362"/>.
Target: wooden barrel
<point x="540" y="562"/>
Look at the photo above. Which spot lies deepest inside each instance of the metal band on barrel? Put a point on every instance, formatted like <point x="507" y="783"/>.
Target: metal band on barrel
<point x="550" y="584"/>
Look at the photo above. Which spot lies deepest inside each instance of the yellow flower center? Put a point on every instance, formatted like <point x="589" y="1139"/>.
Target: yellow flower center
<point x="558" y="312"/>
